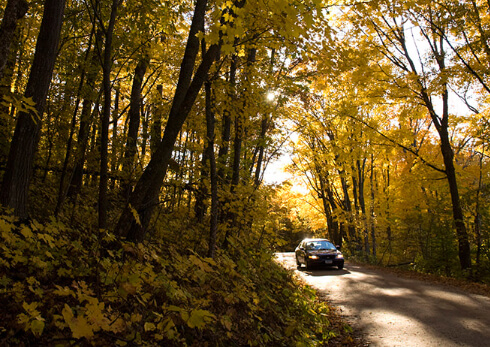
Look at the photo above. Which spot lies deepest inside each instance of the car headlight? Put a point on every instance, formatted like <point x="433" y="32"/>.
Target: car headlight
<point x="339" y="256"/>
<point x="313" y="256"/>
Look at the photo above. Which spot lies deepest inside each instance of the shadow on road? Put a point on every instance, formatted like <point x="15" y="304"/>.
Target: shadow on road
<point x="399" y="311"/>
<point x="321" y="272"/>
<point x="446" y="314"/>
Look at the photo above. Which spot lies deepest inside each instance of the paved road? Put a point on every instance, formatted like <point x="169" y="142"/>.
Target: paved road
<point x="394" y="311"/>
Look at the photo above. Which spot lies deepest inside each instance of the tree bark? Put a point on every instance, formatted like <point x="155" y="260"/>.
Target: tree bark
<point x="263" y="131"/>
<point x="156" y="115"/>
<point x="16" y="181"/>
<point x="442" y="126"/>
<point x="145" y="194"/>
<point x="362" y="204"/>
<point x="86" y="119"/>
<point x="14" y="11"/>
<point x="106" y="115"/>
<point x="134" y="125"/>
<point x="461" y="233"/>
<point x="226" y="126"/>
<point x="213" y="226"/>
<point x="62" y="190"/>
<point x="372" y="217"/>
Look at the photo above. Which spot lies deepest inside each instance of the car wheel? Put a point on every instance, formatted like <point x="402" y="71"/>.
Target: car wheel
<point x="340" y="266"/>
<point x="298" y="264"/>
<point x="308" y="266"/>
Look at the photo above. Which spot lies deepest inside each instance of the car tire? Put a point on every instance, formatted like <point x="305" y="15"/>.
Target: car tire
<point x="340" y="266"/>
<point x="308" y="266"/>
<point x="298" y="264"/>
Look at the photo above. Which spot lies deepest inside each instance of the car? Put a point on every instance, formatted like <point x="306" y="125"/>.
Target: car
<point x="319" y="252"/>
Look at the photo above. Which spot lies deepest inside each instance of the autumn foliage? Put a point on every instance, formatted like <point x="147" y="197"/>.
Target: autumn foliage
<point x="135" y="139"/>
<point x="60" y="286"/>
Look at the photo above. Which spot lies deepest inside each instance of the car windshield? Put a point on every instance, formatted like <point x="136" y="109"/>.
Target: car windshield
<point x="319" y="245"/>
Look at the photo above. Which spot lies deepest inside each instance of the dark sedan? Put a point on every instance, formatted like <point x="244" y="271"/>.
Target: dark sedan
<point x="320" y="252"/>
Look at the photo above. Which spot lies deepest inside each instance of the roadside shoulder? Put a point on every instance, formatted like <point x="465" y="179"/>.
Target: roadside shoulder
<point x="463" y="285"/>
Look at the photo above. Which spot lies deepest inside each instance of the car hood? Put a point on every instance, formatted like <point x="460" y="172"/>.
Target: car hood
<point x="323" y="251"/>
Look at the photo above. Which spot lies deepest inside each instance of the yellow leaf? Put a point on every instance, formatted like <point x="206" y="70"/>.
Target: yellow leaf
<point x="37" y="327"/>
<point x="67" y="313"/>
<point x="199" y="318"/>
<point x="81" y="328"/>
<point x="136" y="317"/>
<point x="135" y="214"/>
<point x="149" y="326"/>
<point x="63" y="291"/>
<point x="26" y="232"/>
<point x="129" y="288"/>
<point x="79" y="325"/>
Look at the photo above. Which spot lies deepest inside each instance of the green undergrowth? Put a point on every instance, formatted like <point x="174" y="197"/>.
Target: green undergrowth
<point x="62" y="287"/>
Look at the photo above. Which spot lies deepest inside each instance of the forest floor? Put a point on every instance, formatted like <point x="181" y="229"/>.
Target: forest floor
<point x="392" y="307"/>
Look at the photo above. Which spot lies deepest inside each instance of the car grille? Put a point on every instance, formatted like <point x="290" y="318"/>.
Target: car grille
<point x="326" y="256"/>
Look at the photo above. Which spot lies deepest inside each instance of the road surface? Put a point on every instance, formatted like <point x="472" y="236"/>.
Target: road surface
<point x="394" y="311"/>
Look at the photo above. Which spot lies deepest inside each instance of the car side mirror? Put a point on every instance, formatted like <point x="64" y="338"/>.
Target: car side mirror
<point x="338" y="247"/>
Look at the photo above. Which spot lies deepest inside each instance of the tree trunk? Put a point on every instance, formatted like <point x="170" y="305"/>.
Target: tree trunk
<point x="145" y="194"/>
<point x="16" y="181"/>
<point x="478" y="216"/>
<point x="362" y="204"/>
<point x="144" y="131"/>
<point x="372" y="217"/>
<point x="213" y="227"/>
<point x="114" y="142"/>
<point x="226" y="130"/>
<point x="6" y="125"/>
<point x="62" y="190"/>
<point x="442" y="124"/>
<point x="134" y="125"/>
<point x="351" y="230"/>
<point x="14" y="11"/>
<point x="329" y="207"/>
<point x="461" y="233"/>
<point x="106" y="115"/>
<point x="237" y="148"/>
<point x="201" y="193"/>
<point x="156" y="115"/>
<point x="263" y="131"/>
<point x="86" y="119"/>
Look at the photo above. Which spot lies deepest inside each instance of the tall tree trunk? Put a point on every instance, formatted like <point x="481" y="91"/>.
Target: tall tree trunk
<point x="14" y="11"/>
<point x="362" y="205"/>
<point x="351" y="230"/>
<point x="145" y="119"/>
<point x="226" y="126"/>
<point x="461" y="233"/>
<point x="62" y="190"/>
<point x="134" y="125"/>
<point x="145" y="194"/>
<point x="329" y="206"/>
<point x="201" y="192"/>
<point x="106" y="115"/>
<point x="6" y="80"/>
<point x="49" y="137"/>
<point x="442" y="125"/>
<point x="372" y="220"/>
<point x="16" y="181"/>
<point x="86" y="119"/>
<point x="156" y="115"/>
<point x="478" y="217"/>
<point x="213" y="227"/>
<point x="237" y="148"/>
<point x="335" y="232"/>
<point x="114" y="143"/>
<point x="263" y="131"/>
